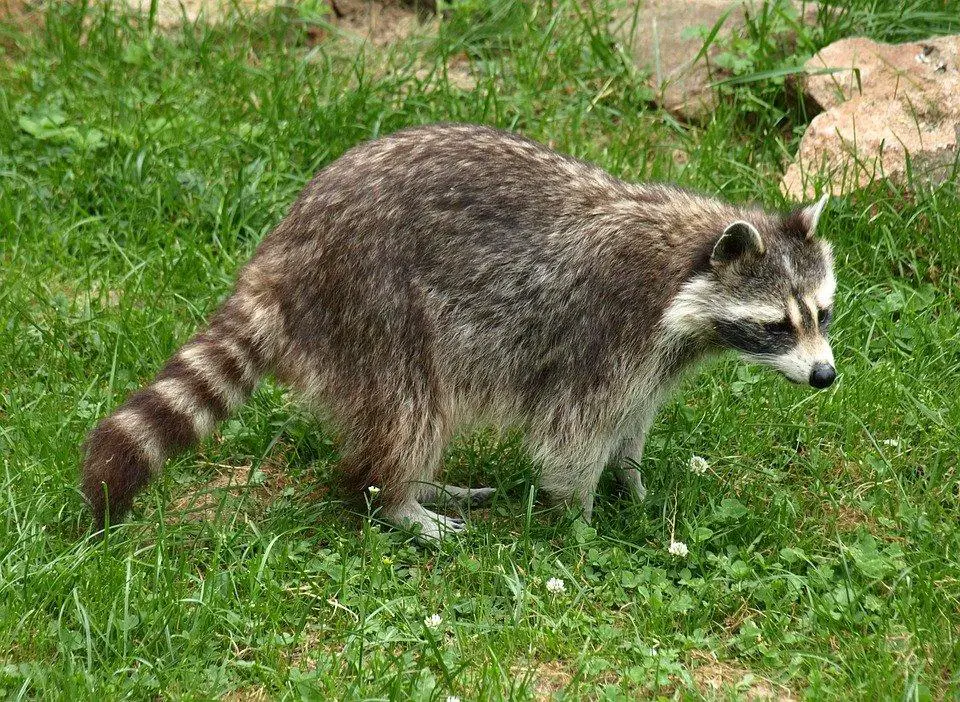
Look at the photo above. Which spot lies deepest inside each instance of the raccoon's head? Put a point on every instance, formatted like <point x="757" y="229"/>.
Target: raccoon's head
<point x="767" y="292"/>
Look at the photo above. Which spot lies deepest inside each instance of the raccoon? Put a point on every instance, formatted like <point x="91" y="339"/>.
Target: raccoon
<point x="450" y="275"/>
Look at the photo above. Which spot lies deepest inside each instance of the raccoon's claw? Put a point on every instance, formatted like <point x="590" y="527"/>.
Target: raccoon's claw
<point x="481" y="496"/>
<point x="441" y="527"/>
<point x="433" y="526"/>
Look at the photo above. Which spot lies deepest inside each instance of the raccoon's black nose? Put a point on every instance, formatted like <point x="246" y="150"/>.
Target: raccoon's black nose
<point x="822" y="376"/>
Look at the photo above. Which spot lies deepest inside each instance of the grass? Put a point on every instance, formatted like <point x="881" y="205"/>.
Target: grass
<point x="139" y="170"/>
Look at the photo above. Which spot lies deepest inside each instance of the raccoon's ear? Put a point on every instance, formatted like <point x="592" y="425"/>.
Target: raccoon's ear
<point x="810" y="215"/>
<point x="738" y="240"/>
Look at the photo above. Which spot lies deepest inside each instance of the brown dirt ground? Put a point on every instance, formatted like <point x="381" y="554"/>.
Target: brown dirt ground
<point x="21" y="16"/>
<point x="380" y="24"/>
<point x="14" y="10"/>
<point x="546" y="679"/>
<point x="201" y="502"/>
<point x="715" y="679"/>
<point x="247" y="694"/>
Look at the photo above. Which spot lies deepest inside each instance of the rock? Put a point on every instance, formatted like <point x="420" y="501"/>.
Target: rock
<point x="886" y="71"/>
<point x="900" y="117"/>
<point x="661" y="34"/>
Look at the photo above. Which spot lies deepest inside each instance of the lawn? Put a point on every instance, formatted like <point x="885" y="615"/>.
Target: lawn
<point x="138" y="170"/>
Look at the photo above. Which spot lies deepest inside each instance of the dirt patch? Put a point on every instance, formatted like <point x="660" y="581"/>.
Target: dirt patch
<point x="386" y="23"/>
<point x="458" y="73"/>
<point x="717" y="679"/>
<point x="314" y="645"/>
<point x="230" y="488"/>
<point x="20" y="16"/>
<point x="203" y="502"/>
<point x="550" y="678"/>
<point x="247" y="694"/>
<point x="345" y="25"/>
<point x="16" y="11"/>
<point x="546" y="679"/>
<point x="97" y="295"/>
<point x="381" y="23"/>
<point x="847" y="518"/>
<point x="174" y="13"/>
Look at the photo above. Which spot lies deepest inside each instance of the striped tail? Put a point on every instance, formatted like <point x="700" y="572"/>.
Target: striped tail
<point x="207" y="379"/>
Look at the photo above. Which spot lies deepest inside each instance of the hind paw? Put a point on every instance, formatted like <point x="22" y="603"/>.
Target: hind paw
<point x="432" y="526"/>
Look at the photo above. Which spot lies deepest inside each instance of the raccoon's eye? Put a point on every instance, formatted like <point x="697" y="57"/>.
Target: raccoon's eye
<point x="824" y="315"/>
<point x="778" y="328"/>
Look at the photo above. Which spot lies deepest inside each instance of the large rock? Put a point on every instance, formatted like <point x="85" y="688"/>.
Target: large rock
<point x="891" y="111"/>
<point x="662" y="36"/>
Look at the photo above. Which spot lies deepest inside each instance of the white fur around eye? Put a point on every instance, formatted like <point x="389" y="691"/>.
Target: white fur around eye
<point x="759" y="313"/>
<point x="793" y="312"/>
<point x="825" y="293"/>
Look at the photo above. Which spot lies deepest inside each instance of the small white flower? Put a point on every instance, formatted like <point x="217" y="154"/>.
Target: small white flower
<point x="453" y="698"/>
<point x="373" y="490"/>
<point x="698" y="465"/>
<point x="556" y="586"/>
<point x="893" y="443"/>
<point x="433" y="621"/>
<point x="678" y="548"/>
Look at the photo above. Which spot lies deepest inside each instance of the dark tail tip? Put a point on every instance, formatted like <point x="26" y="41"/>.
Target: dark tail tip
<point x="115" y="469"/>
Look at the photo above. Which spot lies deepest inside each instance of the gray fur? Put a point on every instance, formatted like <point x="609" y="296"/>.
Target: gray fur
<point x="451" y="275"/>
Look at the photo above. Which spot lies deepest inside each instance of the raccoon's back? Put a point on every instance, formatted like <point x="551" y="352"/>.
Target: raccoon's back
<point x="428" y="188"/>
<point x="485" y="242"/>
<point x="447" y="208"/>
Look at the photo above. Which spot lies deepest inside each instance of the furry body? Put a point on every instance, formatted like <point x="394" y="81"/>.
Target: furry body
<point x="453" y="274"/>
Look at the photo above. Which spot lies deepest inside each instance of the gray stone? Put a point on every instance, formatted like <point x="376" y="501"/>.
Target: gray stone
<point x="891" y="111"/>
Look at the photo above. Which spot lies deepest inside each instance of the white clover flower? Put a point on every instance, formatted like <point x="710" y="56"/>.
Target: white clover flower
<point x="453" y="698"/>
<point x="373" y="490"/>
<point x="433" y="621"/>
<point x="698" y="465"/>
<point x="556" y="586"/>
<point x="678" y="548"/>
